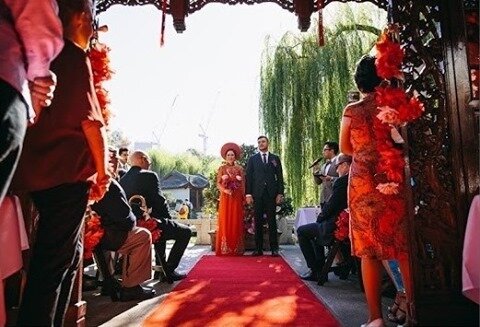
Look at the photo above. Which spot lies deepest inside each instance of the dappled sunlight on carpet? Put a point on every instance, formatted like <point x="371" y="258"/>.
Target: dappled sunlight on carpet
<point x="241" y="291"/>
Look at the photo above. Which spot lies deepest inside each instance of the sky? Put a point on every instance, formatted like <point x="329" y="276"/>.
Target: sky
<point x="207" y="76"/>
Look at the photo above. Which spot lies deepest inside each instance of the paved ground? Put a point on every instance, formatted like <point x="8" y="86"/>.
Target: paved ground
<point x="343" y="297"/>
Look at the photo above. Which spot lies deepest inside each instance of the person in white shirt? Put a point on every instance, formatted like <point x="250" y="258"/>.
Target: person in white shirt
<point x="31" y="37"/>
<point x="326" y="174"/>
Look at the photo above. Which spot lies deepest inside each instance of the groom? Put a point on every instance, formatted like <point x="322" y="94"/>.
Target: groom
<point x="264" y="188"/>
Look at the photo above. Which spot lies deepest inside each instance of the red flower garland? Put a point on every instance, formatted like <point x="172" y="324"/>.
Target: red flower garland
<point x="343" y="225"/>
<point x="93" y="234"/>
<point x="102" y="72"/>
<point x="389" y="57"/>
<point x="395" y="109"/>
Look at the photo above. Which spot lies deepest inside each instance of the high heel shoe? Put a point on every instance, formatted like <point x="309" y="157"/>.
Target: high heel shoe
<point x="399" y="317"/>
<point x="399" y="299"/>
<point x="374" y="323"/>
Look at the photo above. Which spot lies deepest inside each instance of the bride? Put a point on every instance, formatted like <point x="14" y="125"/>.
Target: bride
<point x="231" y="183"/>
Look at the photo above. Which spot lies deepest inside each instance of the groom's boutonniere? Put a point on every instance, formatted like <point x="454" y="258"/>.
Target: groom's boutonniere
<point x="274" y="163"/>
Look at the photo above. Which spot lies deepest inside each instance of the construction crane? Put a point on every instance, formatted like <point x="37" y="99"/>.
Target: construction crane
<point x="203" y="130"/>
<point x="156" y="137"/>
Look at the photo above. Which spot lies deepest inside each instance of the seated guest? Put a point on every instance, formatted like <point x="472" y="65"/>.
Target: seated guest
<point x="141" y="181"/>
<point x="121" y="235"/>
<point x="63" y="162"/>
<point x="313" y="237"/>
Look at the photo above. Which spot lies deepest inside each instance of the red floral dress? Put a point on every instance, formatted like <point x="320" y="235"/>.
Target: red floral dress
<point x="374" y="231"/>
<point x="230" y="231"/>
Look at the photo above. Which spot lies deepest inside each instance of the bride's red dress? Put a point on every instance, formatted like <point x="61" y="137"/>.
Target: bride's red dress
<point x="230" y="231"/>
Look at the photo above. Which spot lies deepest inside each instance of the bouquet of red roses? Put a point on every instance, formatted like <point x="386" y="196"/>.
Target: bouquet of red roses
<point x="93" y="234"/>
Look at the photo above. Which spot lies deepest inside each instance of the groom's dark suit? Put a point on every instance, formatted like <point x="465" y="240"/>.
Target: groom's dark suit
<point x="264" y="181"/>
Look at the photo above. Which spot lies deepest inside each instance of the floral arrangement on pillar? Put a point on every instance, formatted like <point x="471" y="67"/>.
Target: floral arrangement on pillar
<point x="396" y="108"/>
<point x="100" y="61"/>
<point x="101" y="71"/>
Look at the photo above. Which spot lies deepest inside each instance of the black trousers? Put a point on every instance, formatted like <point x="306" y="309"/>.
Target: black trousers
<point x="171" y="230"/>
<point x="265" y="205"/>
<point x="13" y="125"/>
<point x="55" y="255"/>
<point x="311" y="247"/>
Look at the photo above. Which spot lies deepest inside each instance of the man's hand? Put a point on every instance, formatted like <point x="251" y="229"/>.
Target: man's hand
<point x="279" y="199"/>
<point x="249" y="199"/>
<point x="41" y="91"/>
<point x="99" y="188"/>
<point x="326" y="178"/>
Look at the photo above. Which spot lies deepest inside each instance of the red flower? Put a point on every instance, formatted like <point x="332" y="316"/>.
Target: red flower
<point x="343" y="225"/>
<point x="93" y="234"/>
<point x="151" y="225"/>
<point x="98" y="55"/>
<point x="389" y="57"/>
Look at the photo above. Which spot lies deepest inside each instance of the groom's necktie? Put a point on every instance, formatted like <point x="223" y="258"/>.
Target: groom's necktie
<point x="264" y="158"/>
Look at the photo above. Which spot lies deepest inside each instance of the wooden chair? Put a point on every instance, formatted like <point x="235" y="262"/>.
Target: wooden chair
<point x="333" y="249"/>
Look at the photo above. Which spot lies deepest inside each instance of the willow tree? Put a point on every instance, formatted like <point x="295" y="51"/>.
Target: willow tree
<point x="303" y="90"/>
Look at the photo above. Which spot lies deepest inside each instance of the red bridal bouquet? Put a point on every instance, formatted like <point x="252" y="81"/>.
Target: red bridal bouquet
<point x="100" y="61"/>
<point x="343" y="225"/>
<point x="231" y="181"/>
<point x="93" y="234"/>
<point x="395" y="109"/>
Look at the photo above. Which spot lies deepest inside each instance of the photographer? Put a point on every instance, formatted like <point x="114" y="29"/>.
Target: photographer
<point x="326" y="174"/>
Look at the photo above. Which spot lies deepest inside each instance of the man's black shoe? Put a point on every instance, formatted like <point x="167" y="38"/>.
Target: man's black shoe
<point x="311" y="276"/>
<point x="257" y="253"/>
<point x="172" y="277"/>
<point x="176" y="276"/>
<point x="275" y="253"/>
<point x="136" y="293"/>
<point x="167" y="278"/>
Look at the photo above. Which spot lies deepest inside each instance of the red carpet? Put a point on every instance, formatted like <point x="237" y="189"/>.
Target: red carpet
<point x="241" y="291"/>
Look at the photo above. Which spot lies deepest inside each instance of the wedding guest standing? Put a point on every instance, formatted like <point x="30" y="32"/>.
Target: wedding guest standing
<point x="376" y="233"/>
<point x="264" y="188"/>
<point x="231" y="183"/>
<point x="31" y="37"/>
<point x="326" y="174"/>
<point x="64" y="154"/>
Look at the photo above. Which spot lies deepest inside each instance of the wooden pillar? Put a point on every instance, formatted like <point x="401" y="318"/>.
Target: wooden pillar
<point x="443" y="156"/>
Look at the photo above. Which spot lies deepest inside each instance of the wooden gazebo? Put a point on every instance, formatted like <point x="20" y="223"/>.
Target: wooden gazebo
<point x="441" y="41"/>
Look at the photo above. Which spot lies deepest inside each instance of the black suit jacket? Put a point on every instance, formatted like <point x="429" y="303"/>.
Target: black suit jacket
<point x="143" y="182"/>
<point x="260" y="176"/>
<point x="332" y="208"/>
<point x="116" y="216"/>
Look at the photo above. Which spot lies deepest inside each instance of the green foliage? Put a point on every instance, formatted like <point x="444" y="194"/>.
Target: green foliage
<point x="164" y="162"/>
<point x="117" y="139"/>
<point x="211" y="195"/>
<point x="286" y="208"/>
<point x="248" y="151"/>
<point x="303" y="90"/>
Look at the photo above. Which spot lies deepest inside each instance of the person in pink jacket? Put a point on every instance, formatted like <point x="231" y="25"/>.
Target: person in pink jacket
<point x="31" y="37"/>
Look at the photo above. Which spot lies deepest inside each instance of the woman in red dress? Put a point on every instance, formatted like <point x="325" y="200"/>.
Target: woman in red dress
<point x="231" y="183"/>
<point x="375" y="233"/>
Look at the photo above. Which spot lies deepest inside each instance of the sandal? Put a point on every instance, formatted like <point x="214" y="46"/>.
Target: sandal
<point x="399" y="299"/>
<point x="399" y="318"/>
